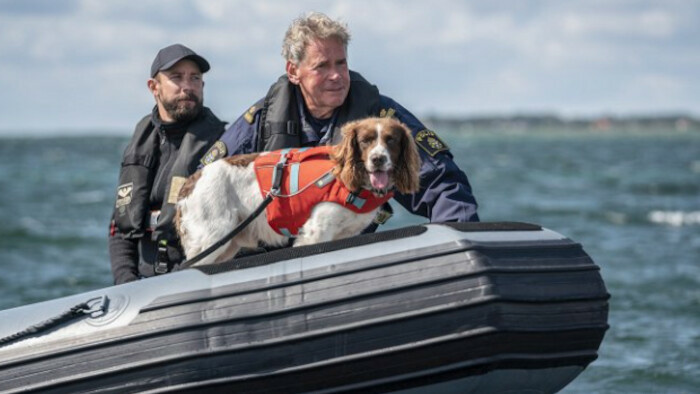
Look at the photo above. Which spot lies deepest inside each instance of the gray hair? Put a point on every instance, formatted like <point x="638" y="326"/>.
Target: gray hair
<point x="305" y="29"/>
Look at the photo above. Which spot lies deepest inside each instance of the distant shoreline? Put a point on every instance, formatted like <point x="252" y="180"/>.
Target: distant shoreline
<point x="476" y="123"/>
<point x="554" y="123"/>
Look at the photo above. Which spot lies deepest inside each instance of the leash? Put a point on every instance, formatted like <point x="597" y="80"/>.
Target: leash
<point x="230" y="235"/>
<point x="274" y="191"/>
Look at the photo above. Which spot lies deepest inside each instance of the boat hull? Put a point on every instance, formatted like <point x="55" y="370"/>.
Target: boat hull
<point x="462" y="308"/>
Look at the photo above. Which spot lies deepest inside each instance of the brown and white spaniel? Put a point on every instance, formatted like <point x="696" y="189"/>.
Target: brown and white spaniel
<point x="376" y="155"/>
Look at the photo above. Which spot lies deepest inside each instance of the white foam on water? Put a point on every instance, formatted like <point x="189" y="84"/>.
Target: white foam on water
<point x="695" y="166"/>
<point x="675" y="218"/>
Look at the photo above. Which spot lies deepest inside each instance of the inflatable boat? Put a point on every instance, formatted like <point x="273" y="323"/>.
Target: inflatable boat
<point x="470" y="307"/>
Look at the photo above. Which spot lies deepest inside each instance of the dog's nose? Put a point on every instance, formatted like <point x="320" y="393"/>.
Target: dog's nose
<point x="378" y="160"/>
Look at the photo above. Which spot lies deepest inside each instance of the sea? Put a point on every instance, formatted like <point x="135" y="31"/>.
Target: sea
<point x="632" y="199"/>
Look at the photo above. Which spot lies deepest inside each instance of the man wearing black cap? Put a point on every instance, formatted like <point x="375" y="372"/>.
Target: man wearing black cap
<point x="167" y="146"/>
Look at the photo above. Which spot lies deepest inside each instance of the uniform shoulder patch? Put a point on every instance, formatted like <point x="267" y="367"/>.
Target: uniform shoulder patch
<point x="249" y="115"/>
<point x="430" y="142"/>
<point x="387" y="113"/>
<point x="217" y="151"/>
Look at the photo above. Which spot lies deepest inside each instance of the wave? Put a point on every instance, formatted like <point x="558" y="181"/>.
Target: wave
<point x="90" y="197"/>
<point x="675" y="218"/>
<point x="669" y="188"/>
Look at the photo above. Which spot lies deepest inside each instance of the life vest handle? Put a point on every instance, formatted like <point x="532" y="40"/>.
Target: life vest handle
<point x="277" y="174"/>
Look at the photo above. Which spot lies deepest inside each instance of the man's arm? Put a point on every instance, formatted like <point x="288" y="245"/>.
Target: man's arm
<point x="124" y="257"/>
<point x="445" y="194"/>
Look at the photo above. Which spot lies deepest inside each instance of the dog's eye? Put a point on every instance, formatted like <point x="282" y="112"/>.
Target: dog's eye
<point x="389" y="140"/>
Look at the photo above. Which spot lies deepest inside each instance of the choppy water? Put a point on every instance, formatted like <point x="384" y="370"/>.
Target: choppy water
<point x="632" y="200"/>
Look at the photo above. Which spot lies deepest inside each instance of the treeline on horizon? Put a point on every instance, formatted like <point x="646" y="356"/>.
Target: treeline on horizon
<point x="548" y="122"/>
<point x="470" y="123"/>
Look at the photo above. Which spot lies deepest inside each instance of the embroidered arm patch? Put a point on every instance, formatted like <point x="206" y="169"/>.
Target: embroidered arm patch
<point x="430" y="142"/>
<point x="217" y="151"/>
<point x="124" y="193"/>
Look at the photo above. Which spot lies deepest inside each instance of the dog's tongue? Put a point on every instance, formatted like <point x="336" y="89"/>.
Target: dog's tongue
<point x="379" y="179"/>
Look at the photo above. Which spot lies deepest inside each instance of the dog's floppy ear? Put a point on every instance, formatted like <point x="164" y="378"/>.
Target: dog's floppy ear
<point x="347" y="158"/>
<point x="406" y="175"/>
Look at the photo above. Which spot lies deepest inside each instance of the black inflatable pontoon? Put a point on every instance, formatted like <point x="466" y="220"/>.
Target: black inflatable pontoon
<point x="485" y="307"/>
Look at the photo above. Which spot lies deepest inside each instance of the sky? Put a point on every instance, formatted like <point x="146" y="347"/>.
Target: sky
<point x="81" y="66"/>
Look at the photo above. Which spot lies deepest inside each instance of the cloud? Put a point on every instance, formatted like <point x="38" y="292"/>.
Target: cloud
<point x="83" y="64"/>
<point x="37" y="7"/>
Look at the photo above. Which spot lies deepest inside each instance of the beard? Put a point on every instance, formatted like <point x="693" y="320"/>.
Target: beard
<point x="180" y="110"/>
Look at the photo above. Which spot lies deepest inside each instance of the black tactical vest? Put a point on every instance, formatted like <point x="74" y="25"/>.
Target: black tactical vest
<point x="279" y="126"/>
<point x="139" y="168"/>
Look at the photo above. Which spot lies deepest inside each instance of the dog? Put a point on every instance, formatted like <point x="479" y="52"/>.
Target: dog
<point x="375" y="157"/>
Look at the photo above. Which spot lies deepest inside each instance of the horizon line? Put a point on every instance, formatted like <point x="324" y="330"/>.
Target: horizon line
<point x="68" y="131"/>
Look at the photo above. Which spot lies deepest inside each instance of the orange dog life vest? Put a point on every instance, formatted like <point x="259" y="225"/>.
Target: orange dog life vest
<point x="306" y="180"/>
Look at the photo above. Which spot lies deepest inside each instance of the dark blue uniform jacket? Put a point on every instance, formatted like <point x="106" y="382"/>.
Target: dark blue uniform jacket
<point x="445" y="194"/>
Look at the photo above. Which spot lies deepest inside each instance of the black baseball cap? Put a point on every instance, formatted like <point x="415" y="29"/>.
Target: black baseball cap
<point x="168" y="56"/>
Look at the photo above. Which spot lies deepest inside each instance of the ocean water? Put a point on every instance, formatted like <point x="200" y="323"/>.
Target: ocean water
<point x="632" y="200"/>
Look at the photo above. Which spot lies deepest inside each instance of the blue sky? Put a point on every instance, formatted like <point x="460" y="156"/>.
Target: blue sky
<point x="80" y="66"/>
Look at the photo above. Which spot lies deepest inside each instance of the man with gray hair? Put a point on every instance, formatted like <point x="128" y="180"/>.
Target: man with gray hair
<point x="318" y="94"/>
